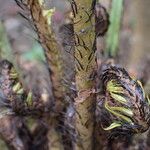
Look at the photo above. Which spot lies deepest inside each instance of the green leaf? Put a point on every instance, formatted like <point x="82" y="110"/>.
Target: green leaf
<point x="113" y="86"/>
<point x="112" y="126"/>
<point x="117" y="114"/>
<point x="119" y="98"/>
<point x="148" y="99"/>
<point x="29" y="99"/>
<point x="126" y="111"/>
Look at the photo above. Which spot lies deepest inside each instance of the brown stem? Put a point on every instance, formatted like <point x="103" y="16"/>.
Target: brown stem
<point x="85" y="63"/>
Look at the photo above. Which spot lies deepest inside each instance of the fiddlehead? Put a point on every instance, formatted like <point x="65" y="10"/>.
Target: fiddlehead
<point x="125" y="101"/>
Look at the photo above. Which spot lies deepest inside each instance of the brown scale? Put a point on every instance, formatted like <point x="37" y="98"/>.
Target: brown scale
<point x="101" y="20"/>
<point x="5" y="81"/>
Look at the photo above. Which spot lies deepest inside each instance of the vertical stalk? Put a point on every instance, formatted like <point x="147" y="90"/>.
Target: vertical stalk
<point x="112" y="40"/>
<point x="42" y="23"/>
<point x="47" y="39"/>
<point x="85" y="63"/>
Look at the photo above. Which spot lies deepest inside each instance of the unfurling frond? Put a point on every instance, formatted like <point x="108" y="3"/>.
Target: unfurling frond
<point x="125" y="101"/>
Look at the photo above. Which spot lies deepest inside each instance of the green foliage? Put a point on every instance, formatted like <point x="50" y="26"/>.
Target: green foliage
<point x="3" y="145"/>
<point x="112" y="40"/>
<point x="36" y="53"/>
<point x="5" y="49"/>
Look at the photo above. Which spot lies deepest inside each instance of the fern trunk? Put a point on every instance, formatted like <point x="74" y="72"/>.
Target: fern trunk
<point x="85" y="63"/>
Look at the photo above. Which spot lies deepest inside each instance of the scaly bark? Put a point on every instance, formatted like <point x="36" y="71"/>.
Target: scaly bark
<point x="85" y="63"/>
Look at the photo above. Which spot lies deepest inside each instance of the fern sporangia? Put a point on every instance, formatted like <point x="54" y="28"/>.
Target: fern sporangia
<point x="125" y="101"/>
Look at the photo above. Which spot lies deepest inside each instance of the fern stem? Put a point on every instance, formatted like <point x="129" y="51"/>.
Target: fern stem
<point x="84" y="54"/>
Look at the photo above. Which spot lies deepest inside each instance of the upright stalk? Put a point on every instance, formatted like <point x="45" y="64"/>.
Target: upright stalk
<point x="85" y="63"/>
<point x="41" y="18"/>
<point x="112" y="40"/>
